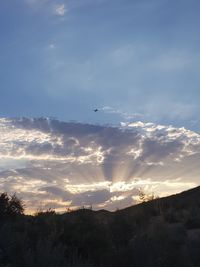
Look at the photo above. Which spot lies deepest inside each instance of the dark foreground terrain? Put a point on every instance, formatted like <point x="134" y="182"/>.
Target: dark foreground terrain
<point x="161" y="232"/>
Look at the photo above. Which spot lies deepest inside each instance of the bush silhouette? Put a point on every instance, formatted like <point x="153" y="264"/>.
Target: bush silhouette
<point x="160" y="233"/>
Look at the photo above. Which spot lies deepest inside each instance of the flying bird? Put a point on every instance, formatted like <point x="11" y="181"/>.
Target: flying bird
<point x="95" y="110"/>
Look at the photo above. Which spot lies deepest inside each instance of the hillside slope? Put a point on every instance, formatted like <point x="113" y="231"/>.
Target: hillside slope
<point x="164" y="232"/>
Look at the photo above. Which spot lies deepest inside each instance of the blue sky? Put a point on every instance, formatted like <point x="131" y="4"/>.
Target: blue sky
<point x="137" y="61"/>
<point x="62" y="58"/>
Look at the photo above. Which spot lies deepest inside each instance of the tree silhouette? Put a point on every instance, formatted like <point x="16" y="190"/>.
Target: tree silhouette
<point x="10" y="205"/>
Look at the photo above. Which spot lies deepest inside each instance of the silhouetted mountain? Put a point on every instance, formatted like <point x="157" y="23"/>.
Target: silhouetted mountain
<point x="163" y="232"/>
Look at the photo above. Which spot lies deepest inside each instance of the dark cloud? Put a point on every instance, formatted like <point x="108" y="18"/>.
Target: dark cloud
<point x="78" y="199"/>
<point x="63" y="194"/>
<point x="155" y="150"/>
<point x="91" y="197"/>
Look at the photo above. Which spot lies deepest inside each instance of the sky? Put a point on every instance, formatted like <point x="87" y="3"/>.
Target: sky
<point x="137" y="61"/>
<point x="136" y="57"/>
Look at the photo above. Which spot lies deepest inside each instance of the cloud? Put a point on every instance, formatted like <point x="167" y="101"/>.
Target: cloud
<point x="47" y="161"/>
<point x="122" y="114"/>
<point x="47" y="5"/>
<point x="51" y="46"/>
<point x="60" y="10"/>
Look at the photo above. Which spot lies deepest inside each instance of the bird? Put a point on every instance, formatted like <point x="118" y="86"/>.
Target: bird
<point x="95" y="110"/>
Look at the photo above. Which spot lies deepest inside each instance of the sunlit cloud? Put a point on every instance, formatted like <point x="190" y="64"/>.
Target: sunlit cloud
<point x="47" y="161"/>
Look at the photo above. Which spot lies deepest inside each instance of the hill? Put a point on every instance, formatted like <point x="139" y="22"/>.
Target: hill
<point x="162" y="232"/>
